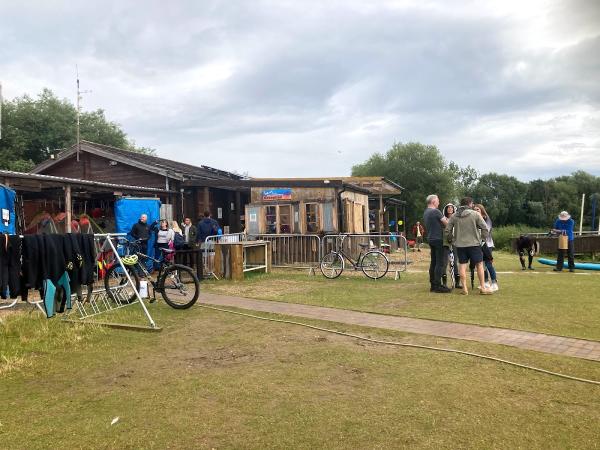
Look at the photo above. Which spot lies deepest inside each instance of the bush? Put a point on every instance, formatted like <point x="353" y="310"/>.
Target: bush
<point x="503" y="235"/>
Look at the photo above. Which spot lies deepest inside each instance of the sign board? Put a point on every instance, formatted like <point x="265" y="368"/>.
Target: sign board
<point x="276" y="194"/>
<point x="219" y="213"/>
<point x="252" y="217"/>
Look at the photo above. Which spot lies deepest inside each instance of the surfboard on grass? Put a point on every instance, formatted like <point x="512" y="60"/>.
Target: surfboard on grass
<point x="580" y="266"/>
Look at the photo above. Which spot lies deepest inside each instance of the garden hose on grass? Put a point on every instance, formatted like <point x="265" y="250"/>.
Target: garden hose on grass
<point x="402" y="344"/>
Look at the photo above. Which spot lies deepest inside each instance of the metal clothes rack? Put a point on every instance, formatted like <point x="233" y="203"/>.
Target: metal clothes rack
<point x="98" y="300"/>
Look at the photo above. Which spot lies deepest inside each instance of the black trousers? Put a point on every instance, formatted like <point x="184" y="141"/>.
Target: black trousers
<point x="560" y="258"/>
<point x="436" y="266"/>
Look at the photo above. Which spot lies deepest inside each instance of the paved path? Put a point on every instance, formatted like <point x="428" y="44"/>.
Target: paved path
<point x="577" y="348"/>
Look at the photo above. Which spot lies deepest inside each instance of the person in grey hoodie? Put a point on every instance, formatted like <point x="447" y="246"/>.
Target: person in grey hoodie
<point x="466" y="229"/>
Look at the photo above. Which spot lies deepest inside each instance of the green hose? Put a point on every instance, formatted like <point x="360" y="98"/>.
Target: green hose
<point x="402" y="344"/>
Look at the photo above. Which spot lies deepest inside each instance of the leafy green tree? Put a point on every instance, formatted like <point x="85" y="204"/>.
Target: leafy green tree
<point x="420" y="169"/>
<point x="536" y="214"/>
<point x="503" y="196"/>
<point x="465" y="179"/>
<point x="33" y="128"/>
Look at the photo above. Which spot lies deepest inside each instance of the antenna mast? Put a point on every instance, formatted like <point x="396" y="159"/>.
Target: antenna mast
<point x="78" y="111"/>
<point x="78" y="98"/>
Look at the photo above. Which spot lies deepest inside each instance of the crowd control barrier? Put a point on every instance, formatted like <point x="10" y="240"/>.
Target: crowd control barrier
<point x="393" y="245"/>
<point x="293" y="250"/>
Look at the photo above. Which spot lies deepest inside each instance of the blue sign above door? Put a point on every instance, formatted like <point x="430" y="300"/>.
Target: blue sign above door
<point x="276" y="194"/>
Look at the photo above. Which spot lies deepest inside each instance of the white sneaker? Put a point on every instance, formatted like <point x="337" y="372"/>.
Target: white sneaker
<point x="486" y="285"/>
<point x="494" y="287"/>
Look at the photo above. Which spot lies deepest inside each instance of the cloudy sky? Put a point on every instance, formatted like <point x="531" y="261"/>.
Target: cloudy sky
<point x="310" y="88"/>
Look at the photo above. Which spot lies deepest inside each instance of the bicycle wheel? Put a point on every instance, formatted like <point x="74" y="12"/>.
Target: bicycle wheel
<point x="332" y="265"/>
<point x="179" y="286"/>
<point x="374" y="264"/>
<point x="117" y="285"/>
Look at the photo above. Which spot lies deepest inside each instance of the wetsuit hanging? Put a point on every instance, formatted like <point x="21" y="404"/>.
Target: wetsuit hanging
<point x="56" y="276"/>
<point x="14" y="266"/>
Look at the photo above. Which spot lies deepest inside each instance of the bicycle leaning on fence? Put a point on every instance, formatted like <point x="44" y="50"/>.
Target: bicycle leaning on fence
<point x="177" y="283"/>
<point x="373" y="263"/>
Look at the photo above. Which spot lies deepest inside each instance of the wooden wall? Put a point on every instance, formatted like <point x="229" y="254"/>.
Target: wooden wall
<point x="96" y="168"/>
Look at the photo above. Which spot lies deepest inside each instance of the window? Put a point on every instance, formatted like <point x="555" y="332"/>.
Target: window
<point x="312" y="217"/>
<point x="285" y="218"/>
<point x="271" y="219"/>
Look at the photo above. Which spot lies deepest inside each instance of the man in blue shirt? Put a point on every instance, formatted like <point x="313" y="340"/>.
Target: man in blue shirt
<point x="206" y="227"/>
<point x="565" y="225"/>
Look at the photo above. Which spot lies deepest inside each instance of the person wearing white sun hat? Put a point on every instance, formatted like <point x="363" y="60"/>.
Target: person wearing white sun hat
<point x="565" y="225"/>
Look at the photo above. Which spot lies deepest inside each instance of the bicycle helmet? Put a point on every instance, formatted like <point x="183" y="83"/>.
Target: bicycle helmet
<point x="130" y="260"/>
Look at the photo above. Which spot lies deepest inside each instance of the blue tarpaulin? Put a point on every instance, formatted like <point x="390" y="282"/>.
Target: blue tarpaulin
<point x="128" y="212"/>
<point x="7" y="210"/>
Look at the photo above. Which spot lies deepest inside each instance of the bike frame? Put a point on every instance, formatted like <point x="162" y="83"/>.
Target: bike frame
<point x="355" y="264"/>
<point x="162" y="265"/>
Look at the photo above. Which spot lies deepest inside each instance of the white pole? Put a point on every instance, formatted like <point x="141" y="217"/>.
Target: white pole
<point x="581" y="218"/>
<point x="131" y="283"/>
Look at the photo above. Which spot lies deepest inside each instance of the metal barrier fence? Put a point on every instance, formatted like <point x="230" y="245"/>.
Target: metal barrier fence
<point x="306" y="250"/>
<point x="394" y="246"/>
<point x="208" y="250"/>
<point x="293" y="250"/>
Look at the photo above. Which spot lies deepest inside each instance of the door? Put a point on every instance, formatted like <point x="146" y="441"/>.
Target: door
<point x="252" y="219"/>
<point x="328" y="218"/>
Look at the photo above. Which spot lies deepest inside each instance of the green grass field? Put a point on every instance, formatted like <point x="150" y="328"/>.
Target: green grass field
<point x="542" y="301"/>
<point x="215" y="380"/>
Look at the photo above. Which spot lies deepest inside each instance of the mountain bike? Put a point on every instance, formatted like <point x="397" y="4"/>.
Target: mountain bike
<point x="373" y="263"/>
<point x="177" y="283"/>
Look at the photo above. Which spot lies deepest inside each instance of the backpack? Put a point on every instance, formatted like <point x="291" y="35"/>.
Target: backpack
<point x="178" y="241"/>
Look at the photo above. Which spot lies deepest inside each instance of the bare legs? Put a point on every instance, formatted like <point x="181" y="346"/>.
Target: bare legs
<point x="462" y="269"/>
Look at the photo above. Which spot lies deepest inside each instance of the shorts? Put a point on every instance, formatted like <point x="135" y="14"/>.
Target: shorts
<point x="466" y="254"/>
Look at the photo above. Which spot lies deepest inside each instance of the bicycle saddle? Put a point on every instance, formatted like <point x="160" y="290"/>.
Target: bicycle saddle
<point x="364" y="245"/>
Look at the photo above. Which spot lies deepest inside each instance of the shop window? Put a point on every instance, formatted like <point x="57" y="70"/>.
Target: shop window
<point x="271" y="219"/>
<point x="285" y="218"/>
<point x="312" y="217"/>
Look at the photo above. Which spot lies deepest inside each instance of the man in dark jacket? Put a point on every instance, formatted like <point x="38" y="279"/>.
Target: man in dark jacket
<point x="141" y="231"/>
<point x="189" y="233"/>
<point x="206" y="227"/>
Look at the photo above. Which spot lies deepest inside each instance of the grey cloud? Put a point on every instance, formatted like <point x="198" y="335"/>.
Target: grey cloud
<point x="308" y="79"/>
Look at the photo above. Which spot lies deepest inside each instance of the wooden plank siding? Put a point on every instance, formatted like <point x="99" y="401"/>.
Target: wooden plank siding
<point x="96" y="168"/>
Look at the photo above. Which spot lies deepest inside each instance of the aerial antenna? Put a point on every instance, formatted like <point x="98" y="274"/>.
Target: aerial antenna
<point x="79" y="111"/>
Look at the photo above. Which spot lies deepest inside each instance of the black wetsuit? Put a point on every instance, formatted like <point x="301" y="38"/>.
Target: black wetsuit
<point x="526" y="244"/>
<point x="14" y="266"/>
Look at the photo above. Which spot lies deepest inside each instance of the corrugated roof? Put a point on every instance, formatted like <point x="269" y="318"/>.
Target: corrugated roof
<point x="154" y="164"/>
<point x="8" y="175"/>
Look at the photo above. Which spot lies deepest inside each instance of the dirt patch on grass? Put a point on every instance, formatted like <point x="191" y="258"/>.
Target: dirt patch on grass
<point x="393" y="304"/>
<point x="266" y="288"/>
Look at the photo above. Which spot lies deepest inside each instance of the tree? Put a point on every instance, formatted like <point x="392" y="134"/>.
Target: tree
<point x="34" y="128"/>
<point x="465" y="179"/>
<point x="503" y="196"/>
<point x="419" y="168"/>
